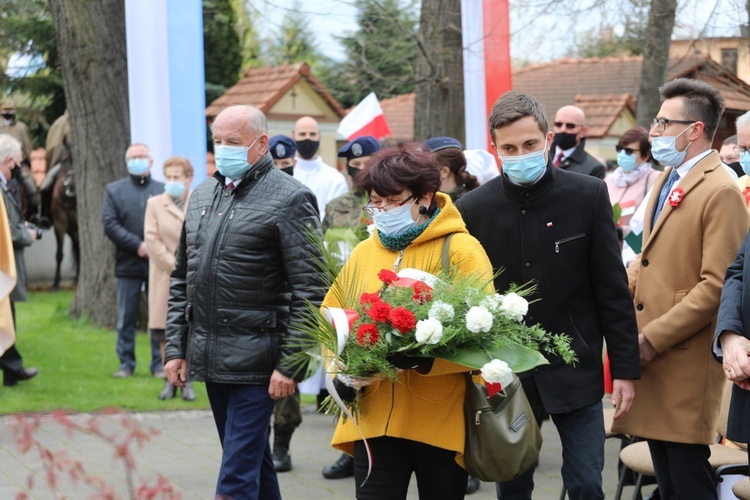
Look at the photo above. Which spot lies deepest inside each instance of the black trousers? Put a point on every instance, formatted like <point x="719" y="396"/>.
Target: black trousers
<point x="11" y="362"/>
<point x="682" y="470"/>
<point x="394" y="461"/>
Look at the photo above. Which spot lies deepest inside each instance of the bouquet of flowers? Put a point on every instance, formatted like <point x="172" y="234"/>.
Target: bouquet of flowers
<point x="417" y="315"/>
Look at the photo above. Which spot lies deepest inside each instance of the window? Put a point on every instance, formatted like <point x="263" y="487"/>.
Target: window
<point x="729" y="59"/>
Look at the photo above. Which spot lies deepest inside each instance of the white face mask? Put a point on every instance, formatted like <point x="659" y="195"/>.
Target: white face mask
<point x="394" y="222"/>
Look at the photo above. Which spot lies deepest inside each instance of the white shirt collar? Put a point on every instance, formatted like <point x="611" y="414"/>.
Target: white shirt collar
<point x="566" y="153"/>
<point x="683" y="169"/>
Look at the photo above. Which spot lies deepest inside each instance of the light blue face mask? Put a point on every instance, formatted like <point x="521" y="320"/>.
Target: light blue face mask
<point x="175" y="189"/>
<point x="394" y="222"/>
<point x="663" y="149"/>
<point x="745" y="162"/>
<point x="626" y="162"/>
<point x="231" y="161"/>
<point x="525" y="169"/>
<point x="138" y="166"/>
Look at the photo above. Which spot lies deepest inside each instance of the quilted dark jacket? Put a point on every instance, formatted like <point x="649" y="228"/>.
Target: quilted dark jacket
<point x="244" y="269"/>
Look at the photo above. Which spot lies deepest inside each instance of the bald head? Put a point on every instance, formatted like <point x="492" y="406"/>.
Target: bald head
<point x="247" y="118"/>
<point x="569" y="127"/>
<point x="306" y="128"/>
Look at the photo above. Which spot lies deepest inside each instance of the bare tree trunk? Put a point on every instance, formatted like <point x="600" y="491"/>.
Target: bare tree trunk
<point x="439" y="106"/>
<point x="91" y="44"/>
<point x="655" y="59"/>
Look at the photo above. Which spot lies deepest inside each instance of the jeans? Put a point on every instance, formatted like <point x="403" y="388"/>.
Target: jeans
<point x="582" y="437"/>
<point x="242" y="413"/>
<point x="128" y="305"/>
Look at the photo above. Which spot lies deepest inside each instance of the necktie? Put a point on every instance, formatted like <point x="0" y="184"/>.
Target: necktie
<point x="558" y="159"/>
<point x="673" y="177"/>
<point x="230" y="185"/>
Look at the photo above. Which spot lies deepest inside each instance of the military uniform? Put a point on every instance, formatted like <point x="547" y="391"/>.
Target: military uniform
<point x="346" y="211"/>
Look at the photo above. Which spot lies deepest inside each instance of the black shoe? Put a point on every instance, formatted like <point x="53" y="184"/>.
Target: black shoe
<point x="28" y="374"/>
<point x="472" y="485"/>
<point x="341" y="468"/>
<point x="282" y="460"/>
<point x="168" y="392"/>
<point x="188" y="393"/>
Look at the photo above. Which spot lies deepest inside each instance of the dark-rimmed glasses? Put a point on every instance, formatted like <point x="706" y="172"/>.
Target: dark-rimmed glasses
<point x="569" y="126"/>
<point x="661" y="123"/>
<point x="371" y="209"/>
<point x="628" y="151"/>
<point x="740" y="150"/>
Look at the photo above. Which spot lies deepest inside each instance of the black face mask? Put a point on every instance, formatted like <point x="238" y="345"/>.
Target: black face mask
<point x="307" y="148"/>
<point x="353" y="171"/>
<point x="565" y="140"/>
<point x="15" y="172"/>
<point x="737" y="167"/>
<point x="288" y="170"/>
<point x="9" y="116"/>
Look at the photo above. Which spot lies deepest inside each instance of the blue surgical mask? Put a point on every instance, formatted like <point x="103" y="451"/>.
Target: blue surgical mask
<point x="138" y="166"/>
<point x="175" y="189"/>
<point x="663" y="149"/>
<point x="525" y="169"/>
<point x="231" y="161"/>
<point x="626" y="162"/>
<point x="745" y="162"/>
<point x="394" y="222"/>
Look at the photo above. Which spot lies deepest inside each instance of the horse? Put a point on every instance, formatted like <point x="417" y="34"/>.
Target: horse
<point x="63" y="211"/>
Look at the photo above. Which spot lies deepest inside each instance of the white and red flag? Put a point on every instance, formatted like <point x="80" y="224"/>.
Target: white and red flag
<point x="365" y="119"/>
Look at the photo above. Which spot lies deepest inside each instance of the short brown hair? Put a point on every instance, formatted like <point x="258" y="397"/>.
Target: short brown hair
<point x="639" y="135"/>
<point x="454" y="159"/>
<point x="702" y="102"/>
<point x="393" y="170"/>
<point x="179" y="161"/>
<point x="514" y="105"/>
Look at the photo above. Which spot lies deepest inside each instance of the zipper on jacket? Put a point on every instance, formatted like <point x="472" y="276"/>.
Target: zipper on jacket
<point x="565" y="240"/>
<point x="231" y="215"/>
<point x="397" y="263"/>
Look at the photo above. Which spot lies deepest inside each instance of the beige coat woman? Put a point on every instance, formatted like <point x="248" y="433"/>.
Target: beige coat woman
<point x="162" y="232"/>
<point x="676" y="284"/>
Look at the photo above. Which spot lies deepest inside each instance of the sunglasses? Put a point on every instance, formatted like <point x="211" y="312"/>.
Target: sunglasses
<point x="628" y="151"/>
<point x="569" y="126"/>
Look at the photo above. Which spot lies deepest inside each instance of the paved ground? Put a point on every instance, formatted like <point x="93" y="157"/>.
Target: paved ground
<point x="187" y="451"/>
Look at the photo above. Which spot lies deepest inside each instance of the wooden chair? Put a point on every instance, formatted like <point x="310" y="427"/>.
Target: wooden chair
<point x="741" y="489"/>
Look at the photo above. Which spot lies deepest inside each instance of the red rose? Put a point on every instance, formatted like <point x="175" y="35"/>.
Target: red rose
<point x="368" y="299"/>
<point x="403" y="320"/>
<point x="379" y="311"/>
<point x="367" y="334"/>
<point x="422" y="292"/>
<point x="387" y="276"/>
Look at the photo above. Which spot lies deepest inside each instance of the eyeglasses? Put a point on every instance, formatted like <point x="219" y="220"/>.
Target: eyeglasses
<point x="628" y="151"/>
<point x="662" y="123"/>
<point x="371" y="209"/>
<point x="740" y="150"/>
<point x="569" y="126"/>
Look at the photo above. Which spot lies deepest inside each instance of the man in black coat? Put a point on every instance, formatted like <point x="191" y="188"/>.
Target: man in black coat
<point x="123" y="215"/>
<point x="570" y="139"/>
<point x="554" y="228"/>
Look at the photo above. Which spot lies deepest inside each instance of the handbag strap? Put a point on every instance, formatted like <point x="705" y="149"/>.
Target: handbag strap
<point x="445" y="256"/>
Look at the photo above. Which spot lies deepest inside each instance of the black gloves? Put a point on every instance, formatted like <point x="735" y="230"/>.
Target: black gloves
<point x="408" y="362"/>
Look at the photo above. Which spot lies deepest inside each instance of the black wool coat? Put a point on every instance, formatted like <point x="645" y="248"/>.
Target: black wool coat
<point x="559" y="234"/>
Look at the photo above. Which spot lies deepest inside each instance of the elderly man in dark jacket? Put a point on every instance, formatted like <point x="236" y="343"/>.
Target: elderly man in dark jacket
<point x="123" y="214"/>
<point x="544" y="225"/>
<point x="244" y="272"/>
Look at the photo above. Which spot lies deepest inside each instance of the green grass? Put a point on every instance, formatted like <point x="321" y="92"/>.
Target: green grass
<point x="76" y="361"/>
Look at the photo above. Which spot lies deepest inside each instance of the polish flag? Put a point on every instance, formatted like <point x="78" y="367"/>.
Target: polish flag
<point x="365" y="119"/>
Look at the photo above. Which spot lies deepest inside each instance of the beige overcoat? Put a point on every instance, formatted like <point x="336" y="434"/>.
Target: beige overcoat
<point x="162" y="229"/>
<point x="676" y="284"/>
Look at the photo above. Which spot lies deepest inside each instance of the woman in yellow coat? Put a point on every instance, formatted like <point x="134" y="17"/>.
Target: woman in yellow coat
<point x="162" y="227"/>
<point x="414" y="425"/>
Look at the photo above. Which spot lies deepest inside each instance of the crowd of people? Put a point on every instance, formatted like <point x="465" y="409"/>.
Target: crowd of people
<point x="229" y="269"/>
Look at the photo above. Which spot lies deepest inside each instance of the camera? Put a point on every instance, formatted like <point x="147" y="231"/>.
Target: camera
<point x="36" y="229"/>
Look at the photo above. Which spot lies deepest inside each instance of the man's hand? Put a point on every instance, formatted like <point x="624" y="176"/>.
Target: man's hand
<point x="646" y="350"/>
<point x="176" y="371"/>
<point x="280" y="386"/>
<point x="623" y="393"/>
<point x="143" y="251"/>
<point x="736" y="361"/>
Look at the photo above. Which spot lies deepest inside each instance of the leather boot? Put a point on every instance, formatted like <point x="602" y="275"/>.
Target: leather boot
<point x="168" y="392"/>
<point x="341" y="468"/>
<point x="282" y="460"/>
<point x="472" y="485"/>
<point x="188" y="393"/>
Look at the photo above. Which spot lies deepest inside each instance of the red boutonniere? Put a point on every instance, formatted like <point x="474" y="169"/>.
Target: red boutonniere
<point x="675" y="197"/>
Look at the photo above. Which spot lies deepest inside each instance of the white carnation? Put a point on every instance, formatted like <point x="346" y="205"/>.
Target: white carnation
<point x="497" y="372"/>
<point x="492" y="302"/>
<point x="514" y="307"/>
<point x="478" y="319"/>
<point x="441" y="311"/>
<point x="429" y="331"/>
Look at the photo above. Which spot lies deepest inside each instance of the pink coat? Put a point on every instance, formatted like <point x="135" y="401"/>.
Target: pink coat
<point x="630" y="197"/>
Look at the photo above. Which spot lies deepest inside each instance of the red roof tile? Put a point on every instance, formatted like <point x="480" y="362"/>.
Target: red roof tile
<point x="263" y="87"/>
<point x="399" y="113"/>
<point x="602" y="111"/>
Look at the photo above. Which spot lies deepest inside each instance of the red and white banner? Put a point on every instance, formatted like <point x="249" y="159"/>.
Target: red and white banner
<point x="365" y="119"/>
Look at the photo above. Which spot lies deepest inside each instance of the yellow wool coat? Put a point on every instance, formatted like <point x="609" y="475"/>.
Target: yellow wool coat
<point x="161" y="229"/>
<point x="426" y="408"/>
<point x="676" y="284"/>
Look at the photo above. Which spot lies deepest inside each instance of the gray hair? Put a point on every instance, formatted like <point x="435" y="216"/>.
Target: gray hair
<point x="127" y="151"/>
<point x="255" y="117"/>
<point x="743" y="121"/>
<point x="9" y="146"/>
